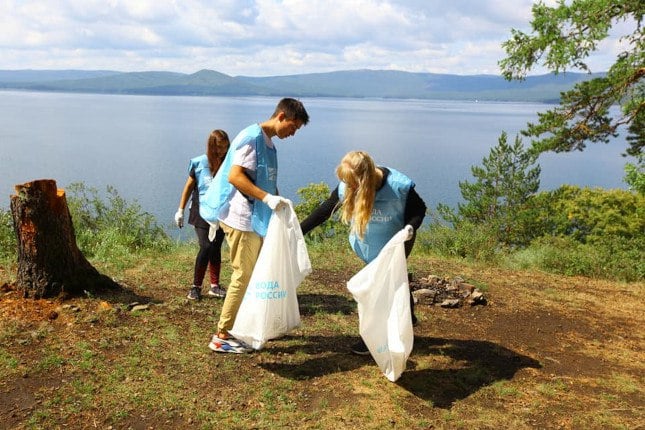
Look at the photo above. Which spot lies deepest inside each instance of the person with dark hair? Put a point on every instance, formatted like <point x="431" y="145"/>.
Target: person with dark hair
<point x="201" y="170"/>
<point x="377" y="202"/>
<point x="241" y="200"/>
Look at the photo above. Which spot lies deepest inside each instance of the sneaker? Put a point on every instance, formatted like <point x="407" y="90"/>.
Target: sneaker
<point x="359" y="348"/>
<point x="217" y="291"/>
<point x="195" y="293"/>
<point x="230" y="344"/>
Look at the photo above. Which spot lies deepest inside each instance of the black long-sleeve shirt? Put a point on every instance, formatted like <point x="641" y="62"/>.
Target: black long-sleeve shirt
<point x="415" y="208"/>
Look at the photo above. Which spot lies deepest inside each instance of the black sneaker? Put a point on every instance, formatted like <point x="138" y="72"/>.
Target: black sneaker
<point x="217" y="291"/>
<point x="359" y="348"/>
<point x="195" y="293"/>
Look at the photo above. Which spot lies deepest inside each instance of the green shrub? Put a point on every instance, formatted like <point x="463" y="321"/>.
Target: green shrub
<point x="311" y="197"/>
<point x="588" y="214"/>
<point x="614" y="258"/>
<point x="635" y="174"/>
<point x="554" y="254"/>
<point x="8" y="242"/>
<point x="468" y="240"/>
<point x="112" y="228"/>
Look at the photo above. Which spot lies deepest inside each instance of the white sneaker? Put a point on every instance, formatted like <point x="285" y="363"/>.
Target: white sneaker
<point x="230" y="345"/>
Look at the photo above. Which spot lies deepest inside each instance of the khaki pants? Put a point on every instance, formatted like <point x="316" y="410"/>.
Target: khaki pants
<point x="245" y="248"/>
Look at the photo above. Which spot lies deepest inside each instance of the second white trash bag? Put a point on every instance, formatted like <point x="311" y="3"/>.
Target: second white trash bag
<point x="270" y="306"/>
<point x="382" y="292"/>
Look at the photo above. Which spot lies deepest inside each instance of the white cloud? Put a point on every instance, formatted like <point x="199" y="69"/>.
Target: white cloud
<point x="261" y="37"/>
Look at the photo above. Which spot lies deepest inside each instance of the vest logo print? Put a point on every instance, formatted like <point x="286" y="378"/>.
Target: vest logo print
<point x="379" y="216"/>
<point x="273" y="174"/>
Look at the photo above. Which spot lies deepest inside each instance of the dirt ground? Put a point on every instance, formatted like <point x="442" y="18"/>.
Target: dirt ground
<point x="534" y="328"/>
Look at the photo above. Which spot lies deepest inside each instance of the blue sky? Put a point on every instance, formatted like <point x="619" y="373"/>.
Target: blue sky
<point x="265" y="37"/>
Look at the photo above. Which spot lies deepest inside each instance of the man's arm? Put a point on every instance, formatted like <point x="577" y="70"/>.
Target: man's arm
<point x="238" y="178"/>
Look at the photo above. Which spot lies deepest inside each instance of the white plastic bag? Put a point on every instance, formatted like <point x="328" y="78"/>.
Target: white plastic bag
<point x="270" y="306"/>
<point x="383" y="295"/>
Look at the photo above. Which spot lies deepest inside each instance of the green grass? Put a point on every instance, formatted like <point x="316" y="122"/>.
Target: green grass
<point x="621" y="383"/>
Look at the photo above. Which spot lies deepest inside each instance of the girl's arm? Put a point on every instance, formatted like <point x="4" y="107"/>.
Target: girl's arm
<point x="415" y="209"/>
<point x="321" y="213"/>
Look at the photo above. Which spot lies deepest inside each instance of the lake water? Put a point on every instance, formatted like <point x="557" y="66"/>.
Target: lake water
<point x="141" y="144"/>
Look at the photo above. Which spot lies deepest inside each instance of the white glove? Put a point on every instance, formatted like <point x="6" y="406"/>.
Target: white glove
<point x="410" y="231"/>
<point x="212" y="230"/>
<point x="274" y="202"/>
<point x="179" y="218"/>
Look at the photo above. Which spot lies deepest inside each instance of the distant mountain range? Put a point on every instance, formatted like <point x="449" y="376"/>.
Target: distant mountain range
<point x="350" y="83"/>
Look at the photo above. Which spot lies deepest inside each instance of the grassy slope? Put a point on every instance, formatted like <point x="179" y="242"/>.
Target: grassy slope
<point x="546" y="352"/>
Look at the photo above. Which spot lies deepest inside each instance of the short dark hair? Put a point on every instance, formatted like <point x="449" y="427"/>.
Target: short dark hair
<point x="293" y="109"/>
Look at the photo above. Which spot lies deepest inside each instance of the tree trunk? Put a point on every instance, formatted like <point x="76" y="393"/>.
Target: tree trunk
<point x="49" y="261"/>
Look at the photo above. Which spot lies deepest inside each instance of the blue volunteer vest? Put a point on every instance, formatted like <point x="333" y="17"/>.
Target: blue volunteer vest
<point x="387" y="215"/>
<point x="218" y="196"/>
<point x="202" y="173"/>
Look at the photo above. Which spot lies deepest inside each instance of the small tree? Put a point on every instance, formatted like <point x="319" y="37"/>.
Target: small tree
<point x="504" y="183"/>
<point x="563" y="37"/>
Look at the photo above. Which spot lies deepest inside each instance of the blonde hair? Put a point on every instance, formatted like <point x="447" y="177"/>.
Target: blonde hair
<point x="358" y="171"/>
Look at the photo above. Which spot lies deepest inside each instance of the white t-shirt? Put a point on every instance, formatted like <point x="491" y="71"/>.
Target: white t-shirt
<point x="240" y="209"/>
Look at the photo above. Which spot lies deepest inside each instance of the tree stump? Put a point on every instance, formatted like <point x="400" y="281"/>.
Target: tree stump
<point x="49" y="261"/>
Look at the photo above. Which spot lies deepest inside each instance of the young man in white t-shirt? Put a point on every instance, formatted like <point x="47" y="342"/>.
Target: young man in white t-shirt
<point x="253" y="174"/>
